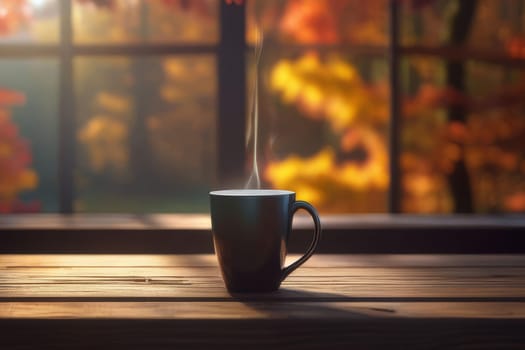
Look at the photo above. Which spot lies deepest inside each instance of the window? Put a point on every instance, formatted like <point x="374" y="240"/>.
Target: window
<point x="113" y="105"/>
<point x="143" y="106"/>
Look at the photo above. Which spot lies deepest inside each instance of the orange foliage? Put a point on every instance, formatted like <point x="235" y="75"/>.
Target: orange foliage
<point x="515" y="202"/>
<point x="14" y="14"/>
<point x="516" y="47"/>
<point x="491" y="142"/>
<point x="310" y="21"/>
<point x="8" y="98"/>
<point x="431" y="96"/>
<point x="334" y="21"/>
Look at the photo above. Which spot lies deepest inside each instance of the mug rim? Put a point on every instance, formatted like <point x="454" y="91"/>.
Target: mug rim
<point x="250" y="192"/>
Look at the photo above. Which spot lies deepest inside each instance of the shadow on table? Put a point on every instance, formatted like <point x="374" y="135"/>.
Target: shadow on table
<point x="292" y="303"/>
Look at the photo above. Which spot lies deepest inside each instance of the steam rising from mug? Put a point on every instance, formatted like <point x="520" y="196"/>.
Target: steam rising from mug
<point x="252" y="131"/>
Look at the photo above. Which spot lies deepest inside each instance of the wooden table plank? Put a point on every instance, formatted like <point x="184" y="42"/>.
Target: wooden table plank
<point x="306" y="288"/>
<point x="194" y="260"/>
<point x="327" y="277"/>
<point x="260" y="310"/>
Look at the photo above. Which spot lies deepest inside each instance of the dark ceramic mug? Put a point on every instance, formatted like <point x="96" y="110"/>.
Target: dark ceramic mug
<point x="250" y="235"/>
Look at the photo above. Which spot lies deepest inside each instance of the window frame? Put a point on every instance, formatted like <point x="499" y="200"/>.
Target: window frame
<point x="384" y="233"/>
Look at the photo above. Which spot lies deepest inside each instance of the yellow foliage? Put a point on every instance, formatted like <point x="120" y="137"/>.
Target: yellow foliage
<point x="342" y="70"/>
<point x="330" y="89"/>
<point x="174" y="68"/>
<point x="309" y="194"/>
<point x="113" y="102"/>
<point x="292" y="91"/>
<point x="313" y="95"/>
<point x="280" y="74"/>
<point x="314" y="177"/>
<point x="308" y="63"/>
<point x="106" y="140"/>
<point x="342" y="112"/>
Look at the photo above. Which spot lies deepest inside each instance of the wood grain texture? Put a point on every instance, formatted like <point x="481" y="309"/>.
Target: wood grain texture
<point x="326" y="277"/>
<point x="179" y="301"/>
<point x="194" y="260"/>
<point x="248" y="309"/>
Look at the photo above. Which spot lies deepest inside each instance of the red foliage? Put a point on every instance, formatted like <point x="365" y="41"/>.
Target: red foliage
<point x="15" y="160"/>
<point x="516" y="47"/>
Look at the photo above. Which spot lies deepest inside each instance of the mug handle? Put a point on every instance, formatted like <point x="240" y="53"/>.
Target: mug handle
<point x="317" y="236"/>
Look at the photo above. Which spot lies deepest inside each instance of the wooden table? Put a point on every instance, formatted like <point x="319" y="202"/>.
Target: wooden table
<point x="334" y="301"/>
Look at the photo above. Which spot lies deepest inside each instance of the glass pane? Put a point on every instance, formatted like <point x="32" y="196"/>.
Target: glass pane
<point x="113" y="21"/>
<point x="423" y="154"/>
<point x="494" y="137"/>
<point x="469" y="105"/>
<point x="320" y="22"/>
<point x="195" y="21"/>
<point x="28" y="135"/>
<point x="146" y="133"/>
<point x="498" y="26"/>
<point x="326" y="131"/>
<point x="480" y="130"/>
<point x="124" y="21"/>
<point x="426" y="22"/>
<point x="33" y="21"/>
<point x="323" y="112"/>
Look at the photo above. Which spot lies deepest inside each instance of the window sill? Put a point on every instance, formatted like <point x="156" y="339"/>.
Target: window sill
<point x="191" y="233"/>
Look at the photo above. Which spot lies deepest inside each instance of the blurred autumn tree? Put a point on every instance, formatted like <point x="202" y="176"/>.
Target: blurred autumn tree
<point x="350" y="171"/>
<point x="462" y="148"/>
<point x="325" y="102"/>
<point x="324" y="110"/>
<point x="16" y="175"/>
<point x="146" y="124"/>
<point x="472" y="112"/>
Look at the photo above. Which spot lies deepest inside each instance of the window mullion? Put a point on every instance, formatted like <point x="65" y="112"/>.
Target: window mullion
<point x="66" y="149"/>
<point x="231" y="118"/>
<point x="394" y="197"/>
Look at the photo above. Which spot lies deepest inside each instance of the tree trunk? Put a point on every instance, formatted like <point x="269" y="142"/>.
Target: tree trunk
<point x="458" y="179"/>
